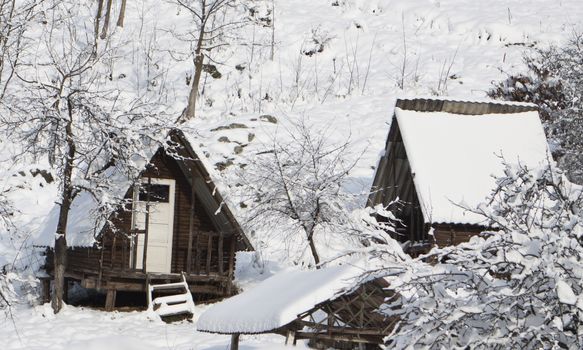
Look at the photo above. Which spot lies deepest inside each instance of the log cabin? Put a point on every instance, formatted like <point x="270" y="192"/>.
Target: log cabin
<point x="440" y="162"/>
<point x="174" y="225"/>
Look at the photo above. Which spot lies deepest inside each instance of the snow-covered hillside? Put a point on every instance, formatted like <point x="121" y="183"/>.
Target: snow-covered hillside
<point x="336" y="65"/>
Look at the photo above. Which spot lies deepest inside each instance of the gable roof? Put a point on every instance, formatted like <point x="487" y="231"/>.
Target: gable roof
<point x="455" y="149"/>
<point x="278" y="300"/>
<point x="86" y="222"/>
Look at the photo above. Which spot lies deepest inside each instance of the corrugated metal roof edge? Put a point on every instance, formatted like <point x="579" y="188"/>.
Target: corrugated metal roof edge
<point x="465" y="107"/>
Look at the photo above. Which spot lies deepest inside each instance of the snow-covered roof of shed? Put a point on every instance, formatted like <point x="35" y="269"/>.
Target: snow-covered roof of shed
<point x="455" y="158"/>
<point x="278" y="300"/>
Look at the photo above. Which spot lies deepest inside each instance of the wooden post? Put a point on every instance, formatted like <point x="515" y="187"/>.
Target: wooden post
<point x="112" y="251"/>
<point x="123" y="253"/>
<point x="66" y="291"/>
<point x="190" y="229"/>
<point x="209" y="254"/>
<point x="101" y="256"/>
<point x="46" y="296"/>
<point x="147" y="223"/>
<point x="221" y="269"/>
<point x="290" y="338"/>
<point x="197" y="254"/>
<point x="110" y="299"/>
<point x="235" y="341"/>
<point x="231" y="265"/>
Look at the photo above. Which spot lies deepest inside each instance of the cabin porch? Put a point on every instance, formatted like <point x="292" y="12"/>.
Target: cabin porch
<point x="113" y="267"/>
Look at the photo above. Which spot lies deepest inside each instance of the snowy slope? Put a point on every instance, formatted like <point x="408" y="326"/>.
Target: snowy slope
<point x="336" y="64"/>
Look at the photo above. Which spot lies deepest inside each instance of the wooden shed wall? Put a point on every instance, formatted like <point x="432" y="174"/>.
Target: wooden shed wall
<point x="454" y="234"/>
<point x="116" y="245"/>
<point x="394" y="180"/>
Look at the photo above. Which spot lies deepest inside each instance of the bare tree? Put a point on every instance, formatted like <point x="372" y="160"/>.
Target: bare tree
<point x="296" y="188"/>
<point x="211" y="25"/>
<point x="15" y="18"/>
<point x="66" y="111"/>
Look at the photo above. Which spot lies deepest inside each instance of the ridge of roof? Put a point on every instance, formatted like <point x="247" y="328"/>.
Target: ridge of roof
<point x="464" y="107"/>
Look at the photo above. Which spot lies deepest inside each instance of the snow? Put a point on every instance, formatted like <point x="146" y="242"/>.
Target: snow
<point x="455" y="158"/>
<point x="278" y="300"/>
<point x="82" y="225"/>
<point x="565" y="293"/>
<point x="38" y="328"/>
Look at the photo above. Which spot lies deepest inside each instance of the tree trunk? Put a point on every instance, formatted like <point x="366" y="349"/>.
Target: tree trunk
<point x="60" y="259"/>
<point x="189" y="113"/>
<point x="106" y="20"/>
<point x="98" y="18"/>
<point x="191" y="107"/>
<point x="314" y="252"/>
<point x="122" y="13"/>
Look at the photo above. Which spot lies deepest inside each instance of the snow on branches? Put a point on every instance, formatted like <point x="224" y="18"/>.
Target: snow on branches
<point x="554" y="82"/>
<point x="519" y="287"/>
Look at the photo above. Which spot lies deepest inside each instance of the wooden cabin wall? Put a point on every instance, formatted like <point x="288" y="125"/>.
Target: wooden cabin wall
<point x="451" y="234"/>
<point x="394" y="180"/>
<point x="116" y="245"/>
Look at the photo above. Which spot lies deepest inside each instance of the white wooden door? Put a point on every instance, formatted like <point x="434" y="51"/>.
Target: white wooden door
<point x="160" y="193"/>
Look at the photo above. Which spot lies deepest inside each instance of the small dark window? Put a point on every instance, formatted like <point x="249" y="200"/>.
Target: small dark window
<point x="158" y="193"/>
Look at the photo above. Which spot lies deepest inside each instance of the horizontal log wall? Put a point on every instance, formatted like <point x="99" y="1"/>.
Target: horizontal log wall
<point x="446" y="235"/>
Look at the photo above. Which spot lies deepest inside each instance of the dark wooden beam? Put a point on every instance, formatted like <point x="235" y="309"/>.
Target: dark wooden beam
<point x="231" y="265"/>
<point x="220" y="256"/>
<point x="110" y="299"/>
<point x="190" y="230"/>
<point x="235" y="341"/>
<point x="209" y="253"/>
<point x="197" y="254"/>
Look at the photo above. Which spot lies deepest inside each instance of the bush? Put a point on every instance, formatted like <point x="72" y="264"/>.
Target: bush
<point x="554" y="81"/>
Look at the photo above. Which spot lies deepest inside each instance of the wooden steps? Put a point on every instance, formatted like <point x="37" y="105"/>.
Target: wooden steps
<point x="176" y="298"/>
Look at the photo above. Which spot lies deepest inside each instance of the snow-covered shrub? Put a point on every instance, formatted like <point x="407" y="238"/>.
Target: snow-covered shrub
<point x="554" y="82"/>
<point x="517" y="288"/>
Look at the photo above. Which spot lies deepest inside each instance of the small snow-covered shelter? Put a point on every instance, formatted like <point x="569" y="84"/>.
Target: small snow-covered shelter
<point x="332" y="305"/>
<point x="175" y="226"/>
<point x="441" y="159"/>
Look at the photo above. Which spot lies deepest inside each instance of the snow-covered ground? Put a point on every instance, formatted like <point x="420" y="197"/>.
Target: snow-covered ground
<point x="81" y="328"/>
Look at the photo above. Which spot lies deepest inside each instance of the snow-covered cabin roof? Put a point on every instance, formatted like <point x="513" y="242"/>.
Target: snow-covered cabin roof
<point x="455" y="149"/>
<point x="87" y="218"/>
<point x="278" y="300"/>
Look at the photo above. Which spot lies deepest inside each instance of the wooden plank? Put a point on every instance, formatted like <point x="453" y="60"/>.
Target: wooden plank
<point x="112" y="251"/>
<point x="220" y="248"/>
<point x="145" y="256"/>
<point x="340" y="337"/>
<point x="197" y="255"/>
<point x="190" y="230"/>
<point x="209" y="254"/>
<point x="46" y="291"/>
<point x="231" y="265"/>
<point x="110" y="299"/>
